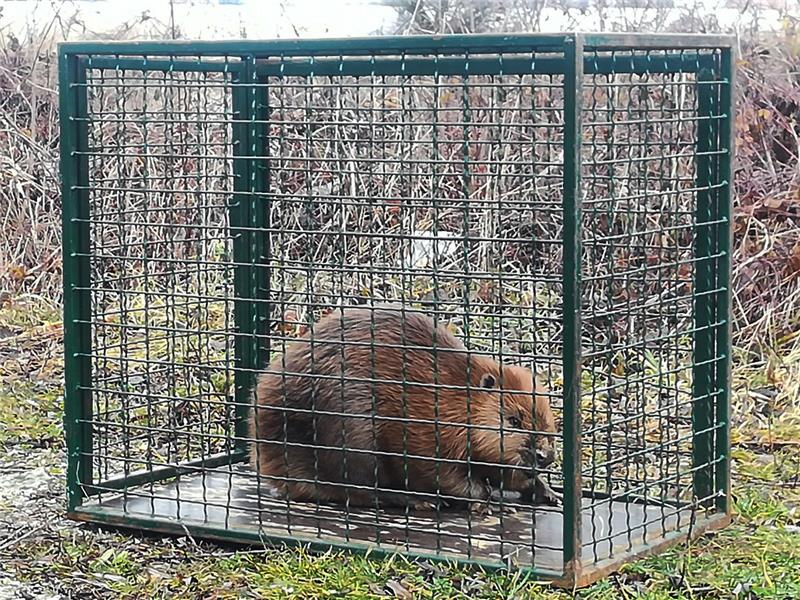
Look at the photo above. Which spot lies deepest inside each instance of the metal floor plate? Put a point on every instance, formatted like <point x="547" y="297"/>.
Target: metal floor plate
<point x="230" y="500"/>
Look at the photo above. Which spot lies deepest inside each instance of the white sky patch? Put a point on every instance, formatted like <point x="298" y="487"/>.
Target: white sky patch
<point x="268" y="19"/>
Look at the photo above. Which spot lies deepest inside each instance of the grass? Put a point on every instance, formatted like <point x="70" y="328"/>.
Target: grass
<point x="758" y="556"/>
<point x="760" y="553"/>
<point x="30" y="370"/>
<point x="31" y="415"/>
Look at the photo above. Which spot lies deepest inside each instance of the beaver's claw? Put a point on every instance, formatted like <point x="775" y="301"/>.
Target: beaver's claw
<point x="544" y="494"/>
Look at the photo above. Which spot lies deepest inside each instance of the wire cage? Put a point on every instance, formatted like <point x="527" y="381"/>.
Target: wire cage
<point x="359" y="231"/>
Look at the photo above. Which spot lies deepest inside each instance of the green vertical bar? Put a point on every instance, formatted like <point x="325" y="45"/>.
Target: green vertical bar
<point x="249" y="216"/>
<point x="573" y="80"/>
<point x="240" y="215"/>
<point x="75" y="255"/>
<point x="724" y="237"/>
<point x="704" y="381"/>
<point x="261" y="219"/>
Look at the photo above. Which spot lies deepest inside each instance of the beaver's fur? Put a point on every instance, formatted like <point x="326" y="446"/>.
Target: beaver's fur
<point x="342" y="394"/>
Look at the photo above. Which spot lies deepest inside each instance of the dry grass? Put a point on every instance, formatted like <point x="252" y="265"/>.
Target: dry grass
<point x="767" y="225"/>
<point x="30" y="202"/>
<point x="767" y="252"/>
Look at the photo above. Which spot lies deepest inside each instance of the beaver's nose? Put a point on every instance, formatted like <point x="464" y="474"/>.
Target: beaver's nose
<point x="545" y="458"/>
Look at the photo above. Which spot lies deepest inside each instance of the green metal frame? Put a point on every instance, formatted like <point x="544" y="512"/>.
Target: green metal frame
<point x="712" y="351"/>
<point x="249" y="211"/>
<point x="248" y="214"/>
<point x="725" y="245"/>
<point x="572" y="306"/>
<point x="77" y="300"/>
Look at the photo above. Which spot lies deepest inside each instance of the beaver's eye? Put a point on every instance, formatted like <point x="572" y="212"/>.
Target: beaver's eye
<point x="515" y="422"/>
<point x="488" y="381"/>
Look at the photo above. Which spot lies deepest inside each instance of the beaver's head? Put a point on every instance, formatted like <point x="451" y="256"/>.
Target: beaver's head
<point x="514" y="419"/>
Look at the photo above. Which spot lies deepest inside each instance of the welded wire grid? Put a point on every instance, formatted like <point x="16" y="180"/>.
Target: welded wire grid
<point x="438" y="191"/>
<point x="650" y="283"/>
<point x="159" y="183"/>
<point x="435" y="191"/>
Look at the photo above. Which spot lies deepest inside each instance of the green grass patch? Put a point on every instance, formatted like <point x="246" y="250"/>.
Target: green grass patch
<point x="758" y="555"/>
<point x="30" y="415"/>
<point x="765" y="560"/>
<point x="30" y="373"/>
<point x="130" y="569"/>
<point x="26" y="312"/>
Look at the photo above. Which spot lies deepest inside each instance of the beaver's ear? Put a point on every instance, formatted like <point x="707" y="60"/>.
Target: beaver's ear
<point x="488" y="381"/>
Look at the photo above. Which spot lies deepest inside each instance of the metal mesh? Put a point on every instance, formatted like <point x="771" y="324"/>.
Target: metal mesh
<point x="420" y="190"/>
<point x="159" y="158"/>
<point x="221" y="210"/>
<point x="645" y="147"/>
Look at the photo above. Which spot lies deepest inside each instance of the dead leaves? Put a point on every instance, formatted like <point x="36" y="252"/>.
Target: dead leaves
<point x="792" y="268"/>
<point x="399" y="589"/>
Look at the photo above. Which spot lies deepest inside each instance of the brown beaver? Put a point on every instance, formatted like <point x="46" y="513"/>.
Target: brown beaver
<point x="333" y="421"/>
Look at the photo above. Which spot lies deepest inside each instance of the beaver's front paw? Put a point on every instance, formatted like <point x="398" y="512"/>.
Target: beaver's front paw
<point x="544" y="494"/>
<point x="540" y="492"/>
<point x="481" y="494"/>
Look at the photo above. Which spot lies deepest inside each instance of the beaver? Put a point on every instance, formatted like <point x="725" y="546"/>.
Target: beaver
<point x="332" y="421"/>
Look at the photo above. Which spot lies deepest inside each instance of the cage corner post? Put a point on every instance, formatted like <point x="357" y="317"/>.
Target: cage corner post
<point x="74" y="167"/>
<point x="247" y="216"/>
<point x="725" y="237"/>
<point x="711" y="293"/>
<point x="573" y="77"/>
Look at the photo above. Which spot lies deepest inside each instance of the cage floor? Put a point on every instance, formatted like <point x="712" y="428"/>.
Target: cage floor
<point x="231" y="501"/>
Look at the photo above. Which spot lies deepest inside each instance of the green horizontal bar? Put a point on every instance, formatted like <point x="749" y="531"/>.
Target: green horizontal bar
<point x="382" y="45"/>
<point x="378" y="45"/>
<point x="161" y="473"/>
<point x="351" y="67"/>
<point x="118" y="518"/>
<point x="679" y="62"/>
<point x="627" y="498"/>
<point x="161" y="64"/>
<point x="647" y="41"/>
<point x="549" y="65"/>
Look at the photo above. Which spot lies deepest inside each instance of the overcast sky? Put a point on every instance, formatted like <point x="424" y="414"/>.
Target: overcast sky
<point x="209" y="18"/>
<point x="219" y="19"/>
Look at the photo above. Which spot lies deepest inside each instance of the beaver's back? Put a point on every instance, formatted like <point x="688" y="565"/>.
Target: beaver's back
<point x="358" y="360"/>
<point x="384" y="344"/>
